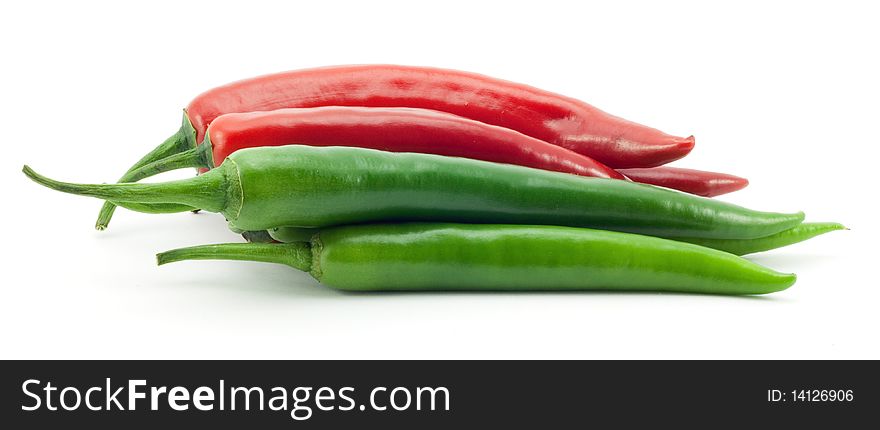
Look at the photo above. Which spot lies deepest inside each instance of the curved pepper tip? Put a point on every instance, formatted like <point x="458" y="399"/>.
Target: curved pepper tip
<point x="782" y="281"/>
<point x="667" y="150"/>
<point x="686" y="144"/>
<point x="837" y="226"/>
<point x="790" y="279"/>
<point x="726" y="184"/>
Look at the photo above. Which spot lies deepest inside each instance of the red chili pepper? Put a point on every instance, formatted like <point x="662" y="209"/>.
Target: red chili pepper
<point x="707" y="184"/>
<point x="388" y="129"/>
<point x="423" y="131"/>
<point x="553" y="118"/>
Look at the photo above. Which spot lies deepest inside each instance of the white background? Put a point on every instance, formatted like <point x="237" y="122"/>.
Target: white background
<point x="784" y="93"/>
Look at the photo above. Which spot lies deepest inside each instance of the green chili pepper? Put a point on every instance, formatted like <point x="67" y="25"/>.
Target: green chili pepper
<point x="501" y="257"/>
<point x="784" y="238"/>
<point x="303" y="186"/>
<point x="791" y="236"/>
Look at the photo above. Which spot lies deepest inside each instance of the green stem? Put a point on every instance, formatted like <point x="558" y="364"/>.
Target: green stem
<point x="183" y="140"/>
<point x="154" y="208"/>
<point x="198" y="157"/>
<point x="206" y="191"/>
<point x="296" y="255"/>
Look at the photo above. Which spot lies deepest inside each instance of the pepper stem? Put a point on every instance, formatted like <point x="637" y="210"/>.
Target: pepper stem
<point x="155" y="208"/>
<point x="206" y="191"/>
<point x="297" y="255"/>
<point x="198" y="157"/>
<point x="183" y="140"/>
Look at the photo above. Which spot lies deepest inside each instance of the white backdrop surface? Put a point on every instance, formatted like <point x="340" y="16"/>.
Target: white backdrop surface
<point x="783" y="93"/>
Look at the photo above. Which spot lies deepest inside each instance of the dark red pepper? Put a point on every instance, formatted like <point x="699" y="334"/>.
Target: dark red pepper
<point x="556" y="119"/>
<point x="701" y="183"/>
<point x="388" y="129"/>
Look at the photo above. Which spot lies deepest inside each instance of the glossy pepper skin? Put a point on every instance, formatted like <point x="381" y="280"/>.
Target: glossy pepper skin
<point x="396" y="130"/>
<point x="420" y="257"/>
<point x="417" y="130"/>
<point x="797" y="234"/>
<point x="387" y="129"/>
<point x="553" y="118"/>
<point x="304" y="186"/>
<point x="699" y="182"/>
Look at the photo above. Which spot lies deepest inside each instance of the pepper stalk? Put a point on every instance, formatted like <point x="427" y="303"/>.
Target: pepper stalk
<point x="181" y="141"/>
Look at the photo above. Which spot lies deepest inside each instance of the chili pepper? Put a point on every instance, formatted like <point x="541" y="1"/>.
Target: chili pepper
<point x="550" y="117"/>
<point x="791" y="236"/>
<point x="389" y="129"/>
<point x="304" y="186"/>
<point x="556" y="119"/>
<point x="395" y="130"/>
<point x="420" y="257"/>
<point x="701" y="183"/>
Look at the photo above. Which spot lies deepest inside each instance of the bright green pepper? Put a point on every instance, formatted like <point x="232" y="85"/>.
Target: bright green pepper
<point x="303" y="186"/>
<point x="421" y="257"/>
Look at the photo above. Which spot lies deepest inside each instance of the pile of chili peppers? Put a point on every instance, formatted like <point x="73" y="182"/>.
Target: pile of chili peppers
<point x="380" y="177"/>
